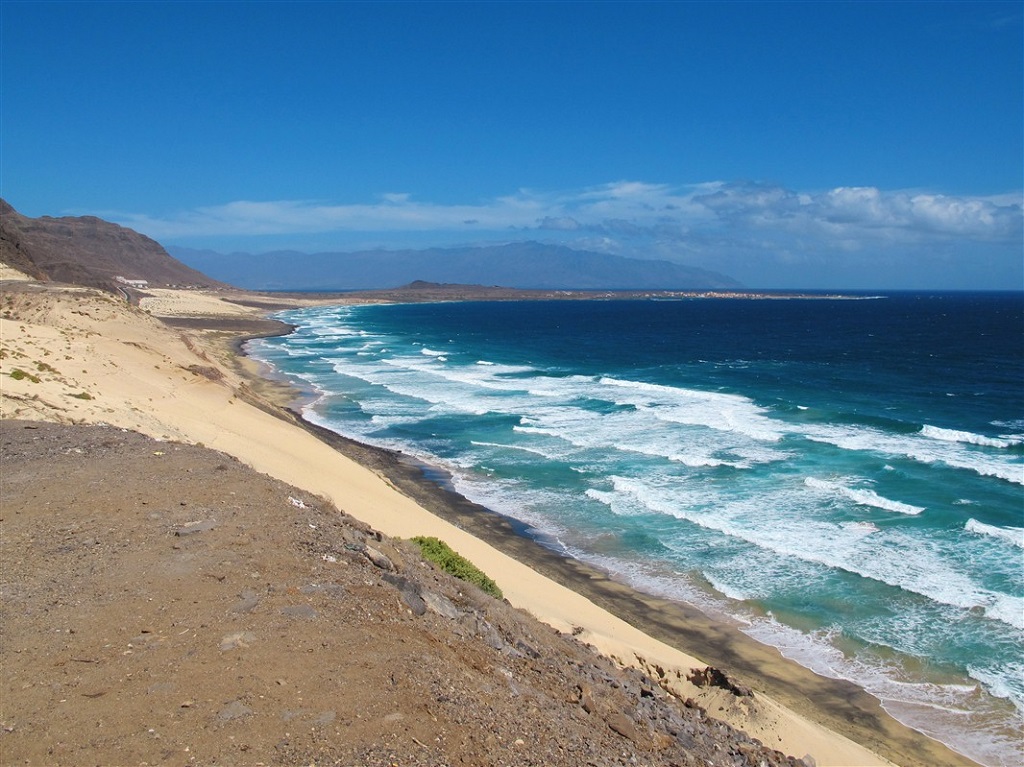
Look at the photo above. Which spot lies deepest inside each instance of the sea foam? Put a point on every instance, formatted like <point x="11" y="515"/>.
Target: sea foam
<point x="925" y="450"/>
<point x="1014" y="535"/>
<point x="863" y="497"/>
<point x="788" y="470"/>
<point x="966" y="437"/>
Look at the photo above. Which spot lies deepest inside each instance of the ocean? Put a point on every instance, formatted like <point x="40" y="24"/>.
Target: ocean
<point x="842" y="476"/>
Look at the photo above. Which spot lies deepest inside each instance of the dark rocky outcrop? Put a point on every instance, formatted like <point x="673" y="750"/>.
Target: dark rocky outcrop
<point x="714" y="677"/>
<point x="89" y="251"/>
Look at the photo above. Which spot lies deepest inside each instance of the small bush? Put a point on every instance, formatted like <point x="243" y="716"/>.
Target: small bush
<point x="19" y="375"/>
<point x="82" y="395"/>
<point x="441" y="554"/>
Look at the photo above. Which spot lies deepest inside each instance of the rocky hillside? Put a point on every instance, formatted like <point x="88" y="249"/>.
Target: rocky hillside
<point x="88" y="251"/>
<point x="193" y="611"/>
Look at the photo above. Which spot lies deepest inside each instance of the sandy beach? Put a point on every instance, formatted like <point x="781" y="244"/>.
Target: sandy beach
<point x="169" y="369"/>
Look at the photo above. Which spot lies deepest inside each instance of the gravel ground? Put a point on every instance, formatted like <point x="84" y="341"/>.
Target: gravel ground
<point x="164" y="604"/>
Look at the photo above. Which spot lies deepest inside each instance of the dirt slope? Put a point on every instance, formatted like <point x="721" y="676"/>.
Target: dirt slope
<point x="165" y="604"/>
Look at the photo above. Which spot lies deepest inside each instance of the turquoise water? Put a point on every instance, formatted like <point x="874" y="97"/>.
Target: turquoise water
<point x="843" y="477"/>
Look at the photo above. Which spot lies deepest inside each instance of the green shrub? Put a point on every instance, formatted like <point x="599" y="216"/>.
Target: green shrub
<point x="18" y="374"/>
<point x="441" y="554"/>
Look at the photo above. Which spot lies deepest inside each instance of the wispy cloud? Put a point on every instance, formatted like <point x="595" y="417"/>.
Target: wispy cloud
<point x="708" y="224"/>
<point x="627" y="208"/>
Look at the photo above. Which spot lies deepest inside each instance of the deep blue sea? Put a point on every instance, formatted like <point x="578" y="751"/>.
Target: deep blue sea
<point x="843" y="477"/>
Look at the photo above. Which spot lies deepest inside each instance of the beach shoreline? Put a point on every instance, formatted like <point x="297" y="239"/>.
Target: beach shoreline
<point x="841" y="706"/>
<point x="836" y="722"/>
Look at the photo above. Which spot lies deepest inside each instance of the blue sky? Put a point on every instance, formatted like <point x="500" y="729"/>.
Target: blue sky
<point x="857" y="145"/>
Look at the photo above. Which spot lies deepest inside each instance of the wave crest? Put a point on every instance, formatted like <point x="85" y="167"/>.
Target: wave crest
<point x="968" y="438"/>
<point x="1014" y="535"/>
<point x="863" y="497"/>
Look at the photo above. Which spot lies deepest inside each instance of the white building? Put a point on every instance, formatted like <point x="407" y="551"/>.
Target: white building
<point x="133" y="283"/>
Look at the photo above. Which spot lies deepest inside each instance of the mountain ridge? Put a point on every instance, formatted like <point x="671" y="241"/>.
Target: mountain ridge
<point x="86" y="250"/>
<point x="522" y="265"/>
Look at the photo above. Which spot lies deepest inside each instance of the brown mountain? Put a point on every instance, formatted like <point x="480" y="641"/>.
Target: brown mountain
<point x="86" y="250"/>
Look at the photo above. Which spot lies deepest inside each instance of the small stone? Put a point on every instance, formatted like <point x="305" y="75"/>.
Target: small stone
<point x="247" y="603"/>
<point x="379" y="559"/>
<point x="527" y="649"/>
<point x="192" y="528"/>
<point x="299" y="611"/>
<point x="587" y="699"/>
<point x="622" y="724"/>
<point x="235" y="710"/>
<point x="239" y="639"/>
<point x="414" y="602"/>
<point x="325" y="717"/>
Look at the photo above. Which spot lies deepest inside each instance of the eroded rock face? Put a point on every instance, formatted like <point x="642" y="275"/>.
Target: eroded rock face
<point x="714" y="677"/>
<point x="164" y="603"/>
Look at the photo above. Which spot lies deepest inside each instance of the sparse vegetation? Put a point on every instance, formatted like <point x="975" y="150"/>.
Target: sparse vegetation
<point x="441" y="554"/>
<point x="82" y="395"/>
<point x="206" y="371"/>
<point x="20" y="375"/>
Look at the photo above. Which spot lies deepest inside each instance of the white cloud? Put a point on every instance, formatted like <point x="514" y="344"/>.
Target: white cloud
<point x="717" y="224"/>
<point x="629" y="208"/>
<point x="867" y="214"/>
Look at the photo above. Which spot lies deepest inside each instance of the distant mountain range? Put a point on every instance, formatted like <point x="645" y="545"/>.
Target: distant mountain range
<point x="88" y="251"/>
<point x="529" y="265"/>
